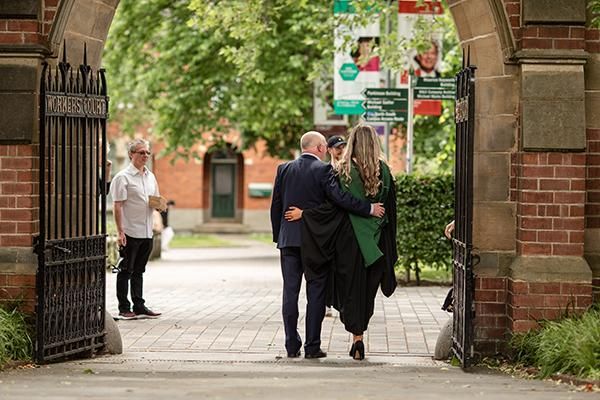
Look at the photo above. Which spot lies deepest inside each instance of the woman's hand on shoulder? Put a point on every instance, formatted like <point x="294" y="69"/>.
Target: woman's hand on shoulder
<point x="293" y="214"/>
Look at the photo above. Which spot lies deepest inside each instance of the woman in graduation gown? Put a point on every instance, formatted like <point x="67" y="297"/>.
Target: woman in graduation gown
<point x="361" y="250"/>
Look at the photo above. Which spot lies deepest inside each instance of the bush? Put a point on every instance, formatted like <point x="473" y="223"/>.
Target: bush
<point x="112" y="247"/>
<point x="15" y="339"/>
<point x="425" y="206"/>
<point x="570" y="346"/>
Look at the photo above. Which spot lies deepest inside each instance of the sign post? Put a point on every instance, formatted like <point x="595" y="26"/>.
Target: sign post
<point x="409" y="126"/>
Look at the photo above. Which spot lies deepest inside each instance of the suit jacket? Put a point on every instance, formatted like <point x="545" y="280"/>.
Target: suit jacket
<point x="306" y="183"/>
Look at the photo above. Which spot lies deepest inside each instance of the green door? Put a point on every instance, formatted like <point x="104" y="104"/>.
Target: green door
<point x="223" y="190"/>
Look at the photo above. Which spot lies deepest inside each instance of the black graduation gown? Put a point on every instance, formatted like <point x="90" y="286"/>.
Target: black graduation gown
<point x="328" y="242"/>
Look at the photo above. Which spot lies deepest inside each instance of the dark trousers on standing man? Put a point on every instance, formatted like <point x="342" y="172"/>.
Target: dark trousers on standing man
<point x="132" y="267"/>
<point x="292" y="270"/>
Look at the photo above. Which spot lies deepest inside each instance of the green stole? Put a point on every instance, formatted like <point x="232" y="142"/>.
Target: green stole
<point x="368" y="229"/>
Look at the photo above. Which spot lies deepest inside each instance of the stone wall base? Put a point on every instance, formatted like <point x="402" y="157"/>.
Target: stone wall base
<point x="17" y="278"/>
<point x="546" y="288"/>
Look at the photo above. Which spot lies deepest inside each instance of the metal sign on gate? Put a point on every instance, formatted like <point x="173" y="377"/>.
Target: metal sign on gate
<point x="462" y="243"/>
<point x="71" y="245"/>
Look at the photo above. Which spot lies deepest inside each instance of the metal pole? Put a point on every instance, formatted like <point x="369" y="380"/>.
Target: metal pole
<point x="409" y="126"/>
<point x="388" y="29"/>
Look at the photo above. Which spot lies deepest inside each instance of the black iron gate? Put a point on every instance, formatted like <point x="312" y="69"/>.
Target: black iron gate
<point x="71" y="246"/>
<point x="462" y="244"/>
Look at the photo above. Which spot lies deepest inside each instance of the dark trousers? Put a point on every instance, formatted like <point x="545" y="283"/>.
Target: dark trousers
<point x="132" y="268"/>
<point x="292" y="271"/>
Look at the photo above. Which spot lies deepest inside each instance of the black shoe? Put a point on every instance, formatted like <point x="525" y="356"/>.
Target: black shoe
<point x="359" y="350"/>
<point x="352" y="349"/>
<point x="146" y="312"/>
<point x="294" y="355"/>
<point x="317" y="354"/>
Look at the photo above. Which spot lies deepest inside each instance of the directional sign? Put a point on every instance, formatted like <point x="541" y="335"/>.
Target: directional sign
<point x="386" y="105"/>
<point x="435" y="89"/>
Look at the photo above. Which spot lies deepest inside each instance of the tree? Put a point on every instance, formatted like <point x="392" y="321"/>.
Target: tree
<point x="194" y="67"/>
<point x="188" y="67"/>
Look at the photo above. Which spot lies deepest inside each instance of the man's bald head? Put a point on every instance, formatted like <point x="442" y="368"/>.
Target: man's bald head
<point x="311" y="139"/>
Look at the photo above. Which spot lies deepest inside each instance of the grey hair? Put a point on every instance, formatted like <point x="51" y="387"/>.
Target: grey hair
<point x="131" y="146"/>
<point x="311" y="139"/>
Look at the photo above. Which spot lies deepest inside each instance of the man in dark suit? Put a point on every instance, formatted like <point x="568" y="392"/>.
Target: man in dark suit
<point x="306" y="182"/>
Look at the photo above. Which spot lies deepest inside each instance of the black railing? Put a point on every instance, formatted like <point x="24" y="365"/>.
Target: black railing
<point x="462" y="243"/>
<point x="71" y="245"/>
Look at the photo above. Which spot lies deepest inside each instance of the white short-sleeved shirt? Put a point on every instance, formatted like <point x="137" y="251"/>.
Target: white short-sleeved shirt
<point x="133" y="188"/>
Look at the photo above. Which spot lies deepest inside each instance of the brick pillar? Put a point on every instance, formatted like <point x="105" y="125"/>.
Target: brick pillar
<point x="18" y="223"/>
<point x="549" y="278"/>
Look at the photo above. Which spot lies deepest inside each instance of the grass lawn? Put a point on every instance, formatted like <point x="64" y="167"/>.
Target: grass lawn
<point x="428" y="276"/>
<point x="262" y="237"/>
<point x="195" y="240"/>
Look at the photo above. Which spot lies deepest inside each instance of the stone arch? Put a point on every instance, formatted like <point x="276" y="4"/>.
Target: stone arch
<point x="483" y="27"/>
<point x="79" y="22"/>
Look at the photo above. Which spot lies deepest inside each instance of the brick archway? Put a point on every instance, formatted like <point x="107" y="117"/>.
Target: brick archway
<point x="537" y="187"/>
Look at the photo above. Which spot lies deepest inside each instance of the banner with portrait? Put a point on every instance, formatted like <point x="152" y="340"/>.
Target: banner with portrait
<point x="425" y="63"/>
<point x="355" y="67"/>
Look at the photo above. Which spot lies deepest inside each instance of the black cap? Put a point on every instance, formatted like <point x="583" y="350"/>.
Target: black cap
<point x="335" y="141"/>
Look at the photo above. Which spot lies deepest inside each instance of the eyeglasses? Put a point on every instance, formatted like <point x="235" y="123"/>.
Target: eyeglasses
<point x="143" y="153"/>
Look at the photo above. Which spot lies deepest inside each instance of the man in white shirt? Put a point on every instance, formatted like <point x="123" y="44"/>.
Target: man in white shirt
<point x="130" y="190"/>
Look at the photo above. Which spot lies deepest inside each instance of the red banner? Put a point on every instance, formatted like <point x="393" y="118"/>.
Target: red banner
<point x="428" y="7"/>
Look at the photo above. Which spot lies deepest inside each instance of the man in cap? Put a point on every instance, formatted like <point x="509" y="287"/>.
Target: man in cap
<point x="335" y="147"/>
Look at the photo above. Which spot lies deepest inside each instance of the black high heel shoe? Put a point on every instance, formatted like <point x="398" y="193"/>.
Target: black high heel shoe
<point x="351" y="353"/>
<point x="359" y="350"/>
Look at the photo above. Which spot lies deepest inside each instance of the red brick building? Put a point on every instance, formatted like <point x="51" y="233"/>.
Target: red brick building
<point x="223" y="190"/>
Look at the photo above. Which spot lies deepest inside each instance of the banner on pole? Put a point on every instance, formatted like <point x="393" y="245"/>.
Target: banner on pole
<point x="357" y="70"/>
<point x="427" y="63"/>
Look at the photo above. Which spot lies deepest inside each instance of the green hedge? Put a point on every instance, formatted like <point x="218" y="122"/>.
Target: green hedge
<point x="425" y="206"/>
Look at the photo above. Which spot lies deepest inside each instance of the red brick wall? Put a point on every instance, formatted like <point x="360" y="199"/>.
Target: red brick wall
<point x="29" y="31"/>
<point x="18" y="195"/>
<point x="552" y="37"/>
<point x="20" y="289"/>
<point x="549" y="189"/>
<point x="592" y="40"/>
<point x="18" y="216"/>
<point x="260" y="168"/>
<point x="181" y="181"/>
<point x="592" y="206"/>
<point x="530" y="302"/>
<point x="513" y="11"/>
<point x="596" y="290"/>
<point x="490" y="315"/>
<point x="559" y="37"/>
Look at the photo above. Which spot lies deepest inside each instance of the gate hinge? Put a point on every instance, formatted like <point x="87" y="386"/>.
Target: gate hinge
<point x="37" y="247"/>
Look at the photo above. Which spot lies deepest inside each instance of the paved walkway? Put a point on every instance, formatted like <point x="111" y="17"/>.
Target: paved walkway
<point x="220" y="338"/>
<point x="229" y="300"/>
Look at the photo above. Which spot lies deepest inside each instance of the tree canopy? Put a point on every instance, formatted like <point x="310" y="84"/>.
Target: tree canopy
<point x="186" y="67"/>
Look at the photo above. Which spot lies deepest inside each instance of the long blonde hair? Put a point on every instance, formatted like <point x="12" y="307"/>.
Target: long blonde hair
<point x="365" y="150"/>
